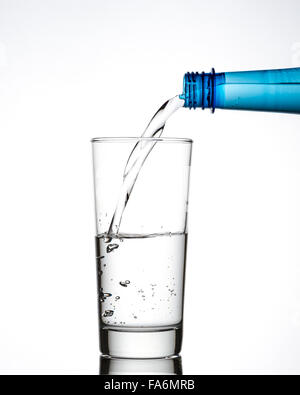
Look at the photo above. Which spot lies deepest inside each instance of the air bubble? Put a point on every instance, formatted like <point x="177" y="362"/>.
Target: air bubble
<point x="108" y="313"/>
<point x="111" y="247"/>
<point x="124" y="283"/>
<point x="104" y="296"/>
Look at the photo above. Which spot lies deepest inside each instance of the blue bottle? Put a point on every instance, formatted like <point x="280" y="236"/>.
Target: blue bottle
<point x="269" y="90"/>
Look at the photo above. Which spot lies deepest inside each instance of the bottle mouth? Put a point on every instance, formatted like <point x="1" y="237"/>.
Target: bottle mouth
<point x="199" y="90"/>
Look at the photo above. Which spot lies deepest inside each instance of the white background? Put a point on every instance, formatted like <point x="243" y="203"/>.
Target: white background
<point x="75" y="69"/>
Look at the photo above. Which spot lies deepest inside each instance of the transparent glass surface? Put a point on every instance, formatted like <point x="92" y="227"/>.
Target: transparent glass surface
<point x="141" y="267"/>
<point x="120" y="366"/>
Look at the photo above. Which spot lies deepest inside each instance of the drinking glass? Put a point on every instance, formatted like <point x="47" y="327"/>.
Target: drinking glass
<point x="141" y="267"/>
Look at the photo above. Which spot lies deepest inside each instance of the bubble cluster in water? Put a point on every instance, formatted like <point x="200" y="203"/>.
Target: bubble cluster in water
<point x="148" y="296"/>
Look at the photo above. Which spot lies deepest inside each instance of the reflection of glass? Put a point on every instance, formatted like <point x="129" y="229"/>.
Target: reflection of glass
<point x="121" y="366"/>
<point x="141" y="269"/>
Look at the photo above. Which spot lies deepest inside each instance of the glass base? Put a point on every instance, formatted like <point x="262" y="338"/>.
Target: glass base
<point x="134" y="343"/>
<point x="122" y="366"/>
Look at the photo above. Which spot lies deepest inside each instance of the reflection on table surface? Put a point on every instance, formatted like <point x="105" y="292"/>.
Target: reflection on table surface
<point x="122" y="366"/>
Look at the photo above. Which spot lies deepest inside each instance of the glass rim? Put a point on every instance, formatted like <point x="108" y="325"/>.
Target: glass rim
<point x="130" y="139"/>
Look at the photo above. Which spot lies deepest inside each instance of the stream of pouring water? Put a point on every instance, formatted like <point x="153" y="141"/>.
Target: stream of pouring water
<point x="138" y="156"/>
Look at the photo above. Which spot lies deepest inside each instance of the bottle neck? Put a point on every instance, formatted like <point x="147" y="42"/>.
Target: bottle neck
<point x="266" y="90"/>
<point x="199" y="90"/>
